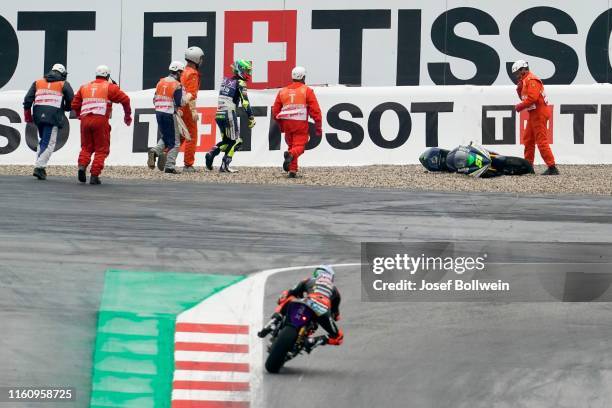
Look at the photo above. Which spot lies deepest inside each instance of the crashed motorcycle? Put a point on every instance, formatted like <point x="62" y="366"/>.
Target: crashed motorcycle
<point x="474" y="160"/>
<point x="293" y="335"/>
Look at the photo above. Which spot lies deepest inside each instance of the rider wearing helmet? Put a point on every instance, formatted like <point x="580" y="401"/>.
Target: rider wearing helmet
<point x="533" y="99"/>
<point x="233" y="92"/>
<point x="322" y="296"/>
<point x="190" y="80"/>
<point x="169" y="97"/>
<point x="50" y="96"/>
<point x="434" y="159"/>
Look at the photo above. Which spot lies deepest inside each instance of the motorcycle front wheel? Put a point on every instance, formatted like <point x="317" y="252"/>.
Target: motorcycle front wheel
<point x="278" y="351"/>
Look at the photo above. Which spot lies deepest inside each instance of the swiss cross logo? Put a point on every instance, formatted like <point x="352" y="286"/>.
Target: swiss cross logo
<point x="265" y="37"/>
<point x="207" y="130"/>
<point x="524" y="117"/>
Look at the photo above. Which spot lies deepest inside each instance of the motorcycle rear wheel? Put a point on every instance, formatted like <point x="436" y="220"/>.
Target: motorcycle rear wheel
<point x="511" y="166"/>
<point x="516" y="166"/>
<point x="279" y="349"/>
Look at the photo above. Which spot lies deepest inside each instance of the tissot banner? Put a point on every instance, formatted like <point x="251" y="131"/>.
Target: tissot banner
<point x="361" y="126"/>
<point x="356" y="42"/>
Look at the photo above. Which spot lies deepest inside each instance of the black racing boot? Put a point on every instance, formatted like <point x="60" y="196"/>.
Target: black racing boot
<point x="292" y="174"/>
<point x="94" y="180"/>
<point x="172" y="171"/>
<point x="313" y="342"/>
<point x="210" y="156"/>
<point x="151" y="158"/>
<point x="209" y="161"/>
<point x="287" y="161"/>
<point x="270" y="326"/>
<point x="81" y="174"/>
<point x="40" y="173"/>
<point x="551" y="171"/>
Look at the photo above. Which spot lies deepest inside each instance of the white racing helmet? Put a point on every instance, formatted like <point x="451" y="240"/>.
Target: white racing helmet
<point x="518" y="65"/>
<point x="324" y="271"/>
<point x="194" y="54"/>
<point x="176" y="66"/>
<point x="298" y="73"/>
<point x="103" y="71"/>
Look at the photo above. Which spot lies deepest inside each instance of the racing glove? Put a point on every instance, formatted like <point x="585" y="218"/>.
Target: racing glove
<point x="127" y="119"/>
<point x="338" y="340"/>
<point x="251" y="122"/>
<point x="283" y="297"/>
<point x="27" y="116"/>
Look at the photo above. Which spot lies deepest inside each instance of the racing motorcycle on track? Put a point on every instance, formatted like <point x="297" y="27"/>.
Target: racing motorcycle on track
<point x="474" y="160"/>
<point x="293" y="335"/>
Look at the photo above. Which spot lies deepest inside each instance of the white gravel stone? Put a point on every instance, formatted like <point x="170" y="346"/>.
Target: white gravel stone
<point x="574" y="179"/>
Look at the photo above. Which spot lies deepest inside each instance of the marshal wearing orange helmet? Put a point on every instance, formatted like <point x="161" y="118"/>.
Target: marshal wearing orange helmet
<point x="294" y="104"/>
<point x="533" y="98"/>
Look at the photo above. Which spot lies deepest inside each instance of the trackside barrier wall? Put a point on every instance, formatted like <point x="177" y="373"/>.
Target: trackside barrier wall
<point x="361" y="126"/>
<point x="359" y="42"/>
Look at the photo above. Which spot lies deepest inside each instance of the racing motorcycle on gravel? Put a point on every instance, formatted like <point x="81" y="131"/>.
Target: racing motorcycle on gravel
<point x="474" y="160"/>
<point x="293" y="335"/>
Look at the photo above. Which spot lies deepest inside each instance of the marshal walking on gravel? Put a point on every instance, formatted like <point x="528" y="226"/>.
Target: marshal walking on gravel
<point x="292" y="107"/>
<point x="168" y="99"/>
<point x="533" y="99"/>
<point x="93" y="105"/>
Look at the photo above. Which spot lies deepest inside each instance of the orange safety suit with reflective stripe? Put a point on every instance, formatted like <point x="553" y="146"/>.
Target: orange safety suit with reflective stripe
<point x="533" y="98"/>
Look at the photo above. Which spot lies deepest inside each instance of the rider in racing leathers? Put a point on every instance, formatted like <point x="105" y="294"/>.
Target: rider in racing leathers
<point x="232" y="93"/>
<point x="322" y="296"/>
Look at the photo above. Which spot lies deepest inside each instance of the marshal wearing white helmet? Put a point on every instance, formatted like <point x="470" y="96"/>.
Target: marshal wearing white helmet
<point x="298" y="73"/>
<point x="103" y="71"/>
<point x="169" y="97"/>
<point x="93" y="105"/>
<point x="292" y="107"/>
<point x="50" y="96"/>
<point x="530" y="90"/>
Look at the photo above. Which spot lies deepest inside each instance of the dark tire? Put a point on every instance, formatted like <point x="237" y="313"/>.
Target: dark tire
<point x="279" y="349"/>
<point x="519" y="166"/>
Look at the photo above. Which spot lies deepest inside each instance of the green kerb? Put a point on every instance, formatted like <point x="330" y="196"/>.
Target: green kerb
<point x="134" y="350"/>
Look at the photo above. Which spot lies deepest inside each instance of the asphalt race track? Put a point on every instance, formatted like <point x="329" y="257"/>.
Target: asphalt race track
<point x="58" y="237"/>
